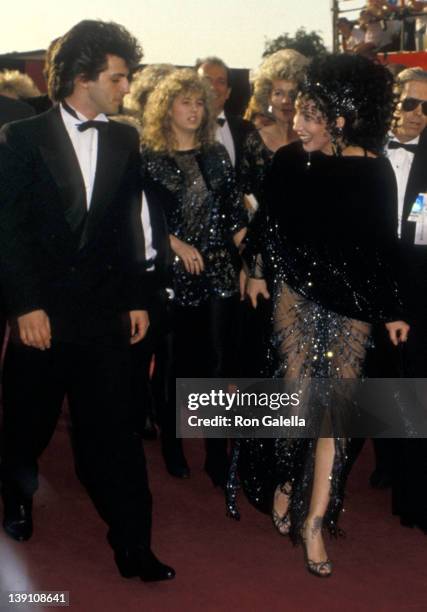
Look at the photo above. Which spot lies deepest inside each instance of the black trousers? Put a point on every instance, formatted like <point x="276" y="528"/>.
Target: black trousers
<point x="204" y="346"/>
<point x="159" y="391"/>
<point x="409" y="495"/>
<point x="109" y="460"/>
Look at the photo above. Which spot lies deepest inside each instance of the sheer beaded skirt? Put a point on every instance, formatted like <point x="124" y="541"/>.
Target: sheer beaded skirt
<point x="310" y="343"/>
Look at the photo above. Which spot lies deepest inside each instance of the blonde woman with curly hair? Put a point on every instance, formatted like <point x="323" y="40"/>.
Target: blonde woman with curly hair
<point x="275" y="88"/>
<point x="206" y="221"/>
<point x="15" y="84"/>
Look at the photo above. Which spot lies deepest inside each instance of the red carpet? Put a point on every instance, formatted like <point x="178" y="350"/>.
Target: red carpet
<point x="221" y="565"/>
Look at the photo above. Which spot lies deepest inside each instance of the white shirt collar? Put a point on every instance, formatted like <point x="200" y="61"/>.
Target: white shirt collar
<point x="222" y="115"/>
<point x="413" y="141"/>
<point x="69" y="120"/>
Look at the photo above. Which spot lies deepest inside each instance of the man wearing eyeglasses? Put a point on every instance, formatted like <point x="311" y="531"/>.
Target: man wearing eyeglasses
<point x="407" y="151"/>
<point x="407" y="148"/>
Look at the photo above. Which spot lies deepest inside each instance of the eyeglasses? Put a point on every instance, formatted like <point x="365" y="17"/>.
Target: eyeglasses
<point x="410" y="104"/>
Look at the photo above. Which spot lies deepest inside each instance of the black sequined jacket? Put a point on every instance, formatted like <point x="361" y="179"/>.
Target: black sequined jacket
<point x="205" y="209"/>
<point x="329" y="231"/>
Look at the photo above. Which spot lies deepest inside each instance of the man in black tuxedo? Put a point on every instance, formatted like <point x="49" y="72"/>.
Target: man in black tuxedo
<point x="407" y="151"/>
<point x="231" y="131"/>
<point x="71" y="255"/>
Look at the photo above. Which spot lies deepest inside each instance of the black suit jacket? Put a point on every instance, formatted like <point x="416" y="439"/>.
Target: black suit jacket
<point x="13" y="110"/>
<point x="84" y="276"/>
<point x="417" y="183"/>
<point x="414" y="257"/>
<point x="239" y="128"/>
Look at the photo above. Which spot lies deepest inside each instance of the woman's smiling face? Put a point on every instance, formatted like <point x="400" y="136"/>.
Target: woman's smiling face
<point x="310" y="125"/>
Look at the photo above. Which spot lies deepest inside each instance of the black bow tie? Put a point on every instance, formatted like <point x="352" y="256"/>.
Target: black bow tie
<point x="394" y="144"/>
<point x="85" y="125"/>
<point x="220" y="121"/>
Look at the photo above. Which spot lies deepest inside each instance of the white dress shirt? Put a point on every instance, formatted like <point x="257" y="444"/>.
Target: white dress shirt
<point x="223" y="135"/>
<point x="401" y="160"/>
<point x="85" y="146"/>
<point x="150" y="251"/>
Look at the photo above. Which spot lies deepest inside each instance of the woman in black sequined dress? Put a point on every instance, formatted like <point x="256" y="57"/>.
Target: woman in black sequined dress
<point x="206" y="222"/>
<point x="331" y="227"/>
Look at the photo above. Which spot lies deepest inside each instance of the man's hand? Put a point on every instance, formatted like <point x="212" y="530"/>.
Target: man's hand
<point x="189" y="255"/>
<point x="34" y="329"/>
<point x="255" y="287"/>
<point x="139" y="323"/>
<point x="397" y="331"/>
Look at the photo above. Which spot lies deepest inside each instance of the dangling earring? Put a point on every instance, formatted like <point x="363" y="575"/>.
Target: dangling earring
<point x="337" y="141"/>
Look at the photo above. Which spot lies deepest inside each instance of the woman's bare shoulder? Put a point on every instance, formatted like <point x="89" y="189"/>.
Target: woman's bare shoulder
<point x="352" y="151"/>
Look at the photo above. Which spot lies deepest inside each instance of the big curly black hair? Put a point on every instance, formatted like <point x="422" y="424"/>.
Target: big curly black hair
<point x="357" y="89"/>
<point x="83" y="51"/>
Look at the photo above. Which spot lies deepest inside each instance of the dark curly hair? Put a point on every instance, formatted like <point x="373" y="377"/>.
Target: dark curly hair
<point x="83" y="51"/>
<point x="357" y="89"/>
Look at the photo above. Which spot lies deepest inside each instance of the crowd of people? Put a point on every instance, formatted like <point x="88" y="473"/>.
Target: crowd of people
<point x="140" y="223"/>
<point x="384" y="26"/>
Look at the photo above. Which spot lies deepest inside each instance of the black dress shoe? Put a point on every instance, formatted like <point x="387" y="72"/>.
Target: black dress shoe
<point x="134" y="562"/>
<point x="412" y="522"/>
<point x="149" y="431"/>
<point x="175" y="461"/>
<point x="177" y="468"/>
<point x="218" y="476"/>
<point x="18" y="519"/>
<point x="380" y="479"/>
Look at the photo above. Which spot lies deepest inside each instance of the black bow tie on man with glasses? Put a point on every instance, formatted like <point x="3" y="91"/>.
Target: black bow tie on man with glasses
<point x="395" y="144"/>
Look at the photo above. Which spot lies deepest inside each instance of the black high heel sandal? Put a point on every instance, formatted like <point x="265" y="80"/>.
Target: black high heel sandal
<point x="282" y="523"/>
<point x="321" y="569"/>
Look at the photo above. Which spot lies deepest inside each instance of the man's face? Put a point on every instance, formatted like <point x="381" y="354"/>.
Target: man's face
<point x="105" y="95"/>
<point x="217" y="77"/>
<point x="410" y="123"/>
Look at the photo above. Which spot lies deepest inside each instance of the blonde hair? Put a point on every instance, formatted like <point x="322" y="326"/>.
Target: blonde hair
<point x="157" y="129"/>
<point x="253" y="108"/>
<point x="128" y="120"/>
<point x="15" y="84"/>
<point x="143" y="83"/>
<point x="286" y="65"/>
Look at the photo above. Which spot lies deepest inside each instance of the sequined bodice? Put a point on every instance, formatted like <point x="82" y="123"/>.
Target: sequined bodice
<point x="205" y="210"/>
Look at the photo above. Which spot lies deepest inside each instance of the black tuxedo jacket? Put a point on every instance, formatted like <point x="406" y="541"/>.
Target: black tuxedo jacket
<point x="239" y="128"/>
<point x="414" y="257"/>
<point x="13" y="110"/>
<point x="417" y="183"/>
<point x="84" y="276"/>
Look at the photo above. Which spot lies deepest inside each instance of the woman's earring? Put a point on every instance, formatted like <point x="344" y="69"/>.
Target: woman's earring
<point x="337" y="141"/>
